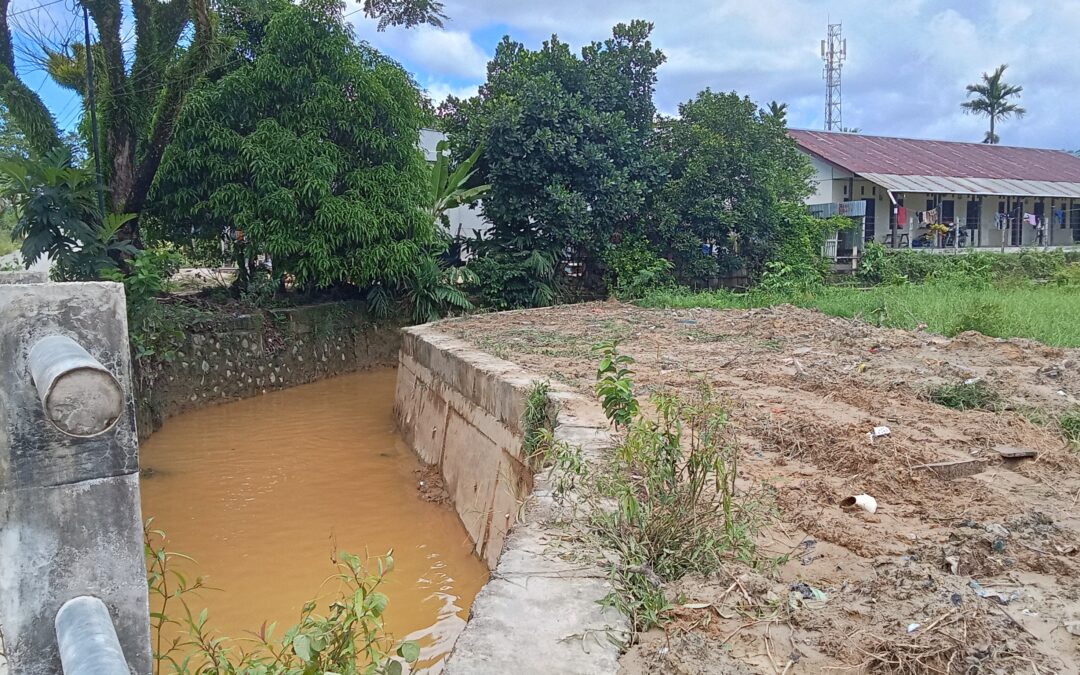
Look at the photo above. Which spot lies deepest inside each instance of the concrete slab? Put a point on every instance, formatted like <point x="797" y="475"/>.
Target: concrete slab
<point x="541" y="611"/>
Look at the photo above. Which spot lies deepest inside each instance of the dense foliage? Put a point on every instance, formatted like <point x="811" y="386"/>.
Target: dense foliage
<point x="589" y="185"/>
<point x="565" y="141"/>
<point x="56" y="215"/>
<point x="736" y="186"/>
<point x="882" y="265"/>
<point x="308" y="148"/>
<point x="141" y="85"/>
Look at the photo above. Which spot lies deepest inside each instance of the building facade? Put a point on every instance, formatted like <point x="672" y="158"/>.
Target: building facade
<point x="935" y="194"/>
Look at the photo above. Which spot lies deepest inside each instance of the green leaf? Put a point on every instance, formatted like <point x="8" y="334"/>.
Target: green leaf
<point x="410" y="651"/>
<point x="302" y="647"/>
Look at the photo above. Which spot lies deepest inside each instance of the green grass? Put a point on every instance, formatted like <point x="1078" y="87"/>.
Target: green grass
<point x="966" y="396"/>
<point x="1070" y="426"/>
<point x="7" y="244"/>
<point x="1042" y="312"/>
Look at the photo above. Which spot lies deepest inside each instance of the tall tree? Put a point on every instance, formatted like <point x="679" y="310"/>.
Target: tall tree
<point x="992" y="99"/>
<point x="733" y="172"/>
<point x="309" y="147"/>
<point x="140" y="100"/>
<point x="566" y="151"/>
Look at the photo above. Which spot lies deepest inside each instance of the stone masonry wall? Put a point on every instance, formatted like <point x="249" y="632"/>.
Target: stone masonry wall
<point x="250" y="355"/>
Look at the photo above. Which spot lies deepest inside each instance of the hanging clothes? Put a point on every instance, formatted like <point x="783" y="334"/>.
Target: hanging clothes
<point x="931" y="216"/>
<point x="1031" y="219"/>
<point x="901" y="216"/>
<point x="1059" y="217"/>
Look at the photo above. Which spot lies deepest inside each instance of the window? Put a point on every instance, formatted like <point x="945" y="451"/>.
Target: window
<point x="948" y="211"/>
<point x="974" y="209"/>
<point x="869" y="220"/>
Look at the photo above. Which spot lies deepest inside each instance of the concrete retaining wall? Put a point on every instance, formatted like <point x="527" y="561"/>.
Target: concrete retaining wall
<point x="461" y="409"/>
<point x="244" y="356"/>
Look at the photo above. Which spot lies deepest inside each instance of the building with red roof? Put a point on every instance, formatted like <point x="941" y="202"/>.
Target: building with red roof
<point x="937" y="194"/>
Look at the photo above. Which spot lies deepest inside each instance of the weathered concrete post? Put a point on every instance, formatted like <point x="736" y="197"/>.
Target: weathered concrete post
<point x="70" y="520"/>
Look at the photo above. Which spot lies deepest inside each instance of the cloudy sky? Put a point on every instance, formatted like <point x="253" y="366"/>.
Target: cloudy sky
<point x="908" y="60"/>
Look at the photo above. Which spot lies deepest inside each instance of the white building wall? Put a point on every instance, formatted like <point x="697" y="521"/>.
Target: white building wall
<point x="826" y="181"/>
<point x="833" y="184"/>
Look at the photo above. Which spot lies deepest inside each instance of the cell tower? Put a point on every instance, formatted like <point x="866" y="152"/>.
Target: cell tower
<point x="833" y="53"/>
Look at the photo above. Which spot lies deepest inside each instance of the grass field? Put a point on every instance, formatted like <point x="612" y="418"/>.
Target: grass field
<point x="1047" y="313"/>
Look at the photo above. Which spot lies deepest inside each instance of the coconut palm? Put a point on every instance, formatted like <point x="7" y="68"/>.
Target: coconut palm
<point x="778" y="111"/>
<point x="992" y="99"/>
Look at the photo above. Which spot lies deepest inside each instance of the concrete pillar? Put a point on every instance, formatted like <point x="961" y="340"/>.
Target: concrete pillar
<point x="70" y="519"/>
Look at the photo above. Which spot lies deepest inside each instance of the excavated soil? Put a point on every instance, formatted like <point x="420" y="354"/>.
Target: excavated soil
<point x="967" y="569"/>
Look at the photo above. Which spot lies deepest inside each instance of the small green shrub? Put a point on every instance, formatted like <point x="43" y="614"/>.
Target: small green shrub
<point x="55" y="202"/>
<point x="677" y="510"/>
<point x="613" y="384"/>
<point x="1070" y="425"/>
<point x="986" y="317"/>
<point x="349" y="639"/>
<point x="783" y="278"/>
<point x="535" y="421"/>
<point x="514" y="279"/>
<point x="970" y="395"/>
<point x="1068" y="275"/>
<point x="635" y="269"/>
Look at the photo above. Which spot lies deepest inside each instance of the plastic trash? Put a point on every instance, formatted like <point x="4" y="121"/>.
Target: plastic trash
<point x="864" y="502"/>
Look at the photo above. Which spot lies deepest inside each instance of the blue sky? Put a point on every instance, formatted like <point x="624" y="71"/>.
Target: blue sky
<point x="908" y="60"/>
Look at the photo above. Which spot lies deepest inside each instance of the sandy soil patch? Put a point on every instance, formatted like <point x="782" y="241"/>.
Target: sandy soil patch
<point x="953" y="573"/>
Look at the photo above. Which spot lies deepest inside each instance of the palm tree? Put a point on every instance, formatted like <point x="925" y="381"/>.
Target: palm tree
<point x="992" y="99"/>
<point x="778" y="111"/>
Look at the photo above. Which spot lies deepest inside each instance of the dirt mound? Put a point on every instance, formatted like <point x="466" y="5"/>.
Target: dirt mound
<point x="806" y="391"/>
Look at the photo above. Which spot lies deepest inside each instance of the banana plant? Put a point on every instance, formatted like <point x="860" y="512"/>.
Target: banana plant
<point x="448" y="190"/>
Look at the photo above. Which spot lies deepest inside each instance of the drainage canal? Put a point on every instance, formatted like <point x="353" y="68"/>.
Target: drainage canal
<point x="262" y="492"/>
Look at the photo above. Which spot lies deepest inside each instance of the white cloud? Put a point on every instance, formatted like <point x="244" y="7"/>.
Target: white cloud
<point x="438" y="91"/>
<point x="446" y="52"/>
<point x="906" y="71"/>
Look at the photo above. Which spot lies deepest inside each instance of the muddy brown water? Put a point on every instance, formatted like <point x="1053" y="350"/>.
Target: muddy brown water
<point x="262" y="492"/>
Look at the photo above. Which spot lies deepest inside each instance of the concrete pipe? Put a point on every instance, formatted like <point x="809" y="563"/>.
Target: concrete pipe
<point x="79" y="395"/>
<point x="87" y="639"/>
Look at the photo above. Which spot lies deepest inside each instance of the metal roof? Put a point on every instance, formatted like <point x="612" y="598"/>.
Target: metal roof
<point x="884" y="155"/>
<point x="973" y="186"/>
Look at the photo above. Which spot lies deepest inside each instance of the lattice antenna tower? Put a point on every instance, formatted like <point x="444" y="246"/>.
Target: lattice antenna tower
<point x="833" y="53"/>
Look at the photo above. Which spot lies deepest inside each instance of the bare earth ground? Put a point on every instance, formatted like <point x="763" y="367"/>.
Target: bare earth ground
<point x="973" y="573"/>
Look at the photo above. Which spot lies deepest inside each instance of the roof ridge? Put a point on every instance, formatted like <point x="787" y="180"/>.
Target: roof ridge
<point x="928" y="140"/>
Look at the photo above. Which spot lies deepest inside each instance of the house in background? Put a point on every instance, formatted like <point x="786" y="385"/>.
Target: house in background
<point x="464" y="221"/>
<point x="942" y="194"/>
